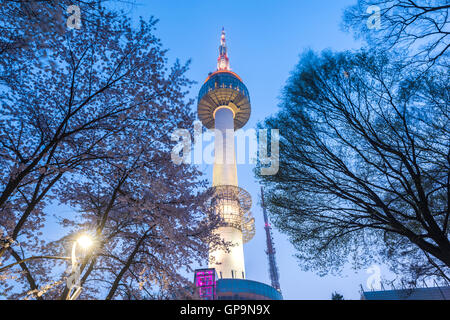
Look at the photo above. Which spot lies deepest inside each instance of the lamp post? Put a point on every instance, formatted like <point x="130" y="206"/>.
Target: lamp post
<point x="73" y="281"/>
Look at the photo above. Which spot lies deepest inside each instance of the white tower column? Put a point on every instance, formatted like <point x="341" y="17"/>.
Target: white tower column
<point x="227" y="264"/>
<point x="224" y="171"/>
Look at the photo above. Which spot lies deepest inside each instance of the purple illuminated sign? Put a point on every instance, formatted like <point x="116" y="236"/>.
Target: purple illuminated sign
<point x="205" y="283"/>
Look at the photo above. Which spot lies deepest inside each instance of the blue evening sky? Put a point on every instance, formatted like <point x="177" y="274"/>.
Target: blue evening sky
<point x="264" y="41"/>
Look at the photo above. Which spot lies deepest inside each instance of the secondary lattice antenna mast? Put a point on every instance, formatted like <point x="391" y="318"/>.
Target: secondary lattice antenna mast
<point x="273" y="269"/>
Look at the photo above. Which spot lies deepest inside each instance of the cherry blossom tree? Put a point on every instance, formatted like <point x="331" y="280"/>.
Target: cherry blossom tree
<point x="84" y="120"/>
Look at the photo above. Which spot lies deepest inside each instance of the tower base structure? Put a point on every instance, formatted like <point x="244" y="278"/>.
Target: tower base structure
<point x="209" y="287"/>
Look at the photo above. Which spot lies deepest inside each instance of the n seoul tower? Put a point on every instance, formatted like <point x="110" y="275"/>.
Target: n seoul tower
<point x="224" y="105"/>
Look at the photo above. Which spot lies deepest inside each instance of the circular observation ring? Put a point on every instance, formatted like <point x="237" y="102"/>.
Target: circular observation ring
<point x="223" y="88"/>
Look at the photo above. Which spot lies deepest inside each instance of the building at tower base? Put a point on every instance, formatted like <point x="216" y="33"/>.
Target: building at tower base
<point x="432" y="293"/>
<point x="209" y="287"/>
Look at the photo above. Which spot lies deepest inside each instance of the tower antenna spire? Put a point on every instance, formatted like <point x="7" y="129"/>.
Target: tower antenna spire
<point x="223" y="63"/>
<point x="273" y="269"/>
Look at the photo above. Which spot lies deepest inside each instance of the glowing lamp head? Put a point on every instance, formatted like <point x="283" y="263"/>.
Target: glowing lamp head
<point x="85" y="241"/>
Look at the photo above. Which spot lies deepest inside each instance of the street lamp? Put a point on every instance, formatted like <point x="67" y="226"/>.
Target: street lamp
<point x="73" y="282"/>
<point x="85" y="241"/>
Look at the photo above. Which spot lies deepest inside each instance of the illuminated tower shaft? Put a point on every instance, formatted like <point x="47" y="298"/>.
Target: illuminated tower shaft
<point x="224" y="105"/>
<point x="224" y="171"/>
<point x="227" y="264"/>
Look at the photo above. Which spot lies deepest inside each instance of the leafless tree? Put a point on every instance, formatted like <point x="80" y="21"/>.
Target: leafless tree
<point x="419" y="27"/>
<point x="364" y="164"/>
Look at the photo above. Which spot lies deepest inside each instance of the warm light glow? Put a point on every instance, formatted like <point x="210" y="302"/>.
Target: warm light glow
<point x="230" y="209"/>
<point x="85" y="241"/>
